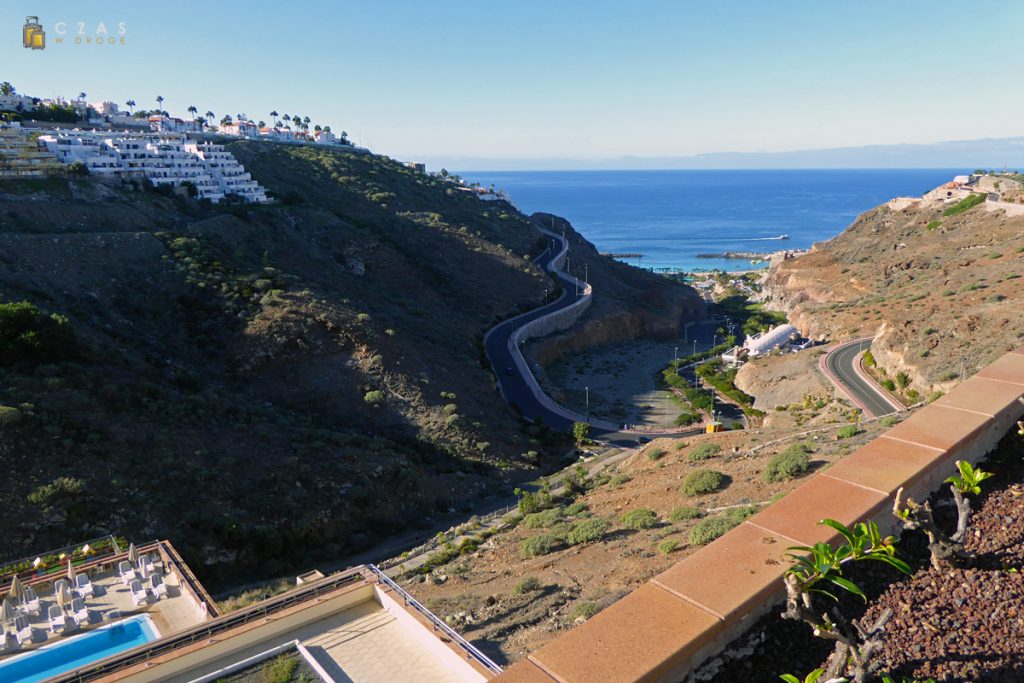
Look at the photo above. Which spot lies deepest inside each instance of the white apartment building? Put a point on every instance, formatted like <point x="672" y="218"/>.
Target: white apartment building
<point x="163" y="158"/>
<point x="242" y="129"/>
<point x="16" y="102"/>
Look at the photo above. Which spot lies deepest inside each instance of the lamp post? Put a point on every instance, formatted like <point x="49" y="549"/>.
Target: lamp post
<point x="675" y="355"/>
<point x="587" y="390"/>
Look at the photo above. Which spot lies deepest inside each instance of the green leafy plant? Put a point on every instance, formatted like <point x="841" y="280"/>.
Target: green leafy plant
<point x="668" y="547"/>
<point x="527" y="585"/>
<point x="641" y="518"/>
<point x="790" y="463"/>
<point x="580" y="432"/>
<point x="587" y="531"/>
<point x="817" y="571"/>
<point x="946" y="550"/>
<point x="810" y="678"/>
<point x="703" y="452"/>
<point x="702" y="481"/>
<point x="683" y="513"/>
<point x="846" y="432"/>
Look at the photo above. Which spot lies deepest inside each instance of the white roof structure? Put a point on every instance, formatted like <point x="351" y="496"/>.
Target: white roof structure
<point x="770" y="339"/>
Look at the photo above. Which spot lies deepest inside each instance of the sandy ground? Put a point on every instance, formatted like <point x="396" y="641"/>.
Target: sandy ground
<point x="621" y="381"/>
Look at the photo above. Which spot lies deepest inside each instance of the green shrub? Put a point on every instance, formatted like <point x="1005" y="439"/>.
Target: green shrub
<point x="536" y="546"/>
<point x="655" y="453"/>
<point x="587" y="531"/>
<point x="703" y="452"/>
<point x="61" y="487"/>
<point x="620" y="479"/>
<point x="534" y="502"/>
<point x="869" y="359"/>
<point x="9" y="416"/>
<point x="789" y="463"/>
<point x="583" y="610"/>
<point x="964" y="204"/>
<point x="641" y="518"/>
<point x="933" y="224"/>
<point x="680" y="445"/>
<point x="846" y="432"/>
<point x="888" y="385"/>
<point x="542" y="520"/>
<point x="889" y="420"/>
<point x="702" y="481"/>
<point x="373" y="397"/>
<point x="576" y="509"/>
<point x="711" y="528"/>
<point x="527" y="585"/>
<point x="668" y="546"/>
<point x="902" y="379"/>
<point x="29" y="335"/>
<point x="684" y="513"/>
<point x="686" y="419"/>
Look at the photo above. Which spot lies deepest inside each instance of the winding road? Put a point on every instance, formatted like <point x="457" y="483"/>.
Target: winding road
<point x="840" y="366"/>
<point x="515" y="387"/>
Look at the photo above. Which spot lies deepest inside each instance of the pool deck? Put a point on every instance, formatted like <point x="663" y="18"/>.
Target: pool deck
<point x="174" y="612"/>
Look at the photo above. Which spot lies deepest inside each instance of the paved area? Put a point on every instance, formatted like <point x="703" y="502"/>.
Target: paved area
<point x="112" y="598"/>
<point x="840" y="362"/>
<point x="367" y="644"/>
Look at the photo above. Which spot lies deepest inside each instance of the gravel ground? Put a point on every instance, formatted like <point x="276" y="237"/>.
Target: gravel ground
<point x="958" y="625"/>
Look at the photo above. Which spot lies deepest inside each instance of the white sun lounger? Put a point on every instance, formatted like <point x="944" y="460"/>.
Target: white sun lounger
<point x="146" y="564"/>
<point x="3" y="638"/>
<point x="30" y="603"/>
<point x="138" y="592"/>
<point x="22" y="630"/>
<point x="157" y="586"/>
<point x="126" y="572"/>
<point x="83" y="584"/>
<point x="56" y="618"/>
<point x="79" y="612"/>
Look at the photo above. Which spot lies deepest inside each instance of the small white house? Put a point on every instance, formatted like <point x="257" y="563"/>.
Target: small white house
<point x="242" y="129"/>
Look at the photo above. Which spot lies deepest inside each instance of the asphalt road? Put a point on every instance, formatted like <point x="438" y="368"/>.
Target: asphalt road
<point x="840" y="363"/>
<point x="515" y="389"/>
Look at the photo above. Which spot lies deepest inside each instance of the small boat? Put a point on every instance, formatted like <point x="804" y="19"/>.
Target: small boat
<point x="784" y="236"/>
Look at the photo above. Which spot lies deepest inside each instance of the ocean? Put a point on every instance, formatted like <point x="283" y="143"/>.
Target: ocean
<point x="671" y="216"/>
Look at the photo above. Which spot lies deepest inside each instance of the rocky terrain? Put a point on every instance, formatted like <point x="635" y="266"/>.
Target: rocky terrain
<point x="509" y="601"/>
<point x="267" y="386"/>
<point x="940" y="294"/>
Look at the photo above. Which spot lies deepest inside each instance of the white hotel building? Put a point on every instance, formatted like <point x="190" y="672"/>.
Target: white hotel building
<point x="163" y="158"/>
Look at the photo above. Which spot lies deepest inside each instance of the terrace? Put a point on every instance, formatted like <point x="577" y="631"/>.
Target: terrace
<point x="184" y="603"/>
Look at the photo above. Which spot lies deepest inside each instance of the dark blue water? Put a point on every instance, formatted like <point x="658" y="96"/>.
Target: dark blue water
<point x="671" y="216"/>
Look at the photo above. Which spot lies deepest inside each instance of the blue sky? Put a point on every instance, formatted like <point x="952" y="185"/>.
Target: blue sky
<point x="542" y="79"/>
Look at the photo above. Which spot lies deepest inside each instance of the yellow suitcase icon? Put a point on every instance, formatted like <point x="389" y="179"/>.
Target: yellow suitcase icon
<point x="32" y="35"/>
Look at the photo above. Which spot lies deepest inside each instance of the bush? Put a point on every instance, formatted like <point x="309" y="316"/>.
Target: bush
<point x="527" y="585"/>
<point x="889" y="420"/>
<point x="9" y="416"/>
<point x="869" y="359"/>
<point x="373" y="397"/>
<point x="702" y="481"/>
<point x="667" y="547"/>
<point x="655" y="453"/>
<point x="641" y="518"/>
<point x="534" y="502"/>
<point x="576" y="509"/>
<point x="61" y="487"/>
<point x="587" y="531"/>
<point x="789" y="463"/>
<point x="686" y="512"/>
<point x="583" y="610"/>
<point x="846" y="432"/>
<point x="542" y="520"/>
<point x="888" y="385"/>
<point x="686" y="419"/>
<point x="535" y="546"/>
<point x="933" y="224"/>
<point x="711" y="528"/>
<point x="29" y="335"/>
<point x="964" y="204"/>
<point x="620" y="479"/>
<point x="703" y="452"/>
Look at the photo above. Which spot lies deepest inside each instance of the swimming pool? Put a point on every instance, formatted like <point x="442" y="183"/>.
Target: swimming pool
<point x="71" y="653"/>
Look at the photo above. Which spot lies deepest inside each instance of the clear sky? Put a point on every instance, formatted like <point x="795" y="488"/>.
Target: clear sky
<point x="564" y="79"/>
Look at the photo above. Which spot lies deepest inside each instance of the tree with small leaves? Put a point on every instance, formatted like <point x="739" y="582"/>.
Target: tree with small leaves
<point x="817" y="568"/>
<point x="580" y="432"/>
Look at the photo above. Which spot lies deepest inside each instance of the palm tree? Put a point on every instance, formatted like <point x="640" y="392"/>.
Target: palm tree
<point x="226" y="120"/>
<point x="160" y="102"/>
<point x="317" y="128"/>
<point x="201" y="122"/>
<point x="297" y="121"/>
<point x="262" y="124"/>
<point x="131" y="106"/>
<point x="285" y="117"/>
<point x="344" y="138"/>
<point x="327" y="129"/>
<point x="192" y="110"/>
<point x="274" y="114"/>
<point x="209" y="115"/>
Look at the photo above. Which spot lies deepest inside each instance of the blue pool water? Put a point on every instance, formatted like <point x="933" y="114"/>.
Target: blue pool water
<point x="671" y="216"/>
<point x="71" y="653"/>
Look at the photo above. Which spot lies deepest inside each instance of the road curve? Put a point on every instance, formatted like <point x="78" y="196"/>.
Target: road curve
<point x="514" y="386"/>
<point x="839" y="366"/>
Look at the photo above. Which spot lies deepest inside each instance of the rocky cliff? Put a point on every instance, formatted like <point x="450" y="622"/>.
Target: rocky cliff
<point x="937" y="287"/>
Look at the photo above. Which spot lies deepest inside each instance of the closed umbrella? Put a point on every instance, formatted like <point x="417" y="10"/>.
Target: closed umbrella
<point x="71" y="572"/>
<point x="133" y="554"/>
<point x="63" y="596"/>
<point x="8" y="613"/>
<point x="17" y="589"/>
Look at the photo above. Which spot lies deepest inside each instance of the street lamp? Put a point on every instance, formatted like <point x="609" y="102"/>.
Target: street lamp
<point x="675" y="355"/>
<point x="587" y="390"/>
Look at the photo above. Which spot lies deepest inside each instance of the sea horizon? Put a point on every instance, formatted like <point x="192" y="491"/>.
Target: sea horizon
<point x="670" y="216"/>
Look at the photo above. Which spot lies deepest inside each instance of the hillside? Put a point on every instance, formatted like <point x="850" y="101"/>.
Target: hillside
<point x="939" y="293"/>
<point x="268" y="386"/>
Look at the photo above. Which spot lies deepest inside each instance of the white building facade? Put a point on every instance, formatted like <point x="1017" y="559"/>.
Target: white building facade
<point x="770" y="340"/>
<point x="163" y="158"/>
